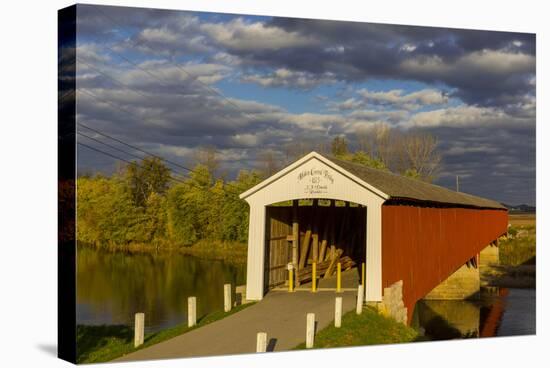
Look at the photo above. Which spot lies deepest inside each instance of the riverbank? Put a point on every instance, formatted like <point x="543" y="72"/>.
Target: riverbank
<point x="506" y="276"/>
<point x="97" y="344"/>
<point x="519" y="247"/>
<point x="517" y="256"/>
<point x="228" y="251"/>
<point x="368" y="328"/>
<point x="233" y="252"/>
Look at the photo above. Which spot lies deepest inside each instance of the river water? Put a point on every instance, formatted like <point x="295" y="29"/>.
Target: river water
<point x="498" y="312"/>
<point x="111" y="287"/>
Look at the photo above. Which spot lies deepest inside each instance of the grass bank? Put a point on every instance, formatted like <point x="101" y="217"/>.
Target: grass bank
<point x="517" y="256"/>
<point x="520" y="277"/>
<point x="519" y="248"/>
<point x="97" y="344"/>
<point x="228" y="251"/>
<point x="368" y="328"/>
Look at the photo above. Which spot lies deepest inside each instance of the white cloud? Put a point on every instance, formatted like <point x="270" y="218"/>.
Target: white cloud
<point x="164" y="73"/>
<point x="461" y="148"/>
<point x="409" y="101"/>
<point x="239" y="34"/>
<point x="517" y="43"/>
<point x="226" y="59"/>
<point x="350" y="104"/>
<point x="465" y="116"/>
<point x="247" y="140"/>
<point x="336" y="49"/>
<point x="313" y="122"/>
<point x="91" y="53"/>
<point x="287" y="78"/>
<point x="495" y="62"/>
<point x="180" y="36"/>
<point x="158" y="35"/>
<point x="408" y="47"/>
<point x="174" y="150"/>
<point x="393" y="116"/>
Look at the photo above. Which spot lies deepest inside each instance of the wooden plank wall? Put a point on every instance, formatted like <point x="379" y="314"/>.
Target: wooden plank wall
<point x="343" y="227"/>
<point x="423" y="246"/>
<point x="278" y="250"/>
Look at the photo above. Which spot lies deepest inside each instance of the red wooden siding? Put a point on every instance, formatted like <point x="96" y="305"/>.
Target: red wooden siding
<point x="423" y="246"/>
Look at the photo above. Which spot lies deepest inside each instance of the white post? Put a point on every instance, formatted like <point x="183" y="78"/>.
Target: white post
<point x="310" y="330"/>
<point x="373" y="267"/>
<point x="191" y="311"/>
<point x="360" y="295"/>
<point x="227" y="297"/>
<point x="139" y="329"/>
<point x="261" y="342"/>
<point x="256" y="250"/>
<point x="338" y="312"/>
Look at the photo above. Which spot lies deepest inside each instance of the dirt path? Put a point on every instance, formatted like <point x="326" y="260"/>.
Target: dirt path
<point x="281" y="314"/>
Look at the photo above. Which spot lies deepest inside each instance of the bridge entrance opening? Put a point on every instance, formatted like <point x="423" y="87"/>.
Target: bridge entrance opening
<point x="321" y="231"/>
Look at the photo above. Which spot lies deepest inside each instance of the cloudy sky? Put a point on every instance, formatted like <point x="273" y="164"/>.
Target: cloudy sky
<point x="169" y="81"/>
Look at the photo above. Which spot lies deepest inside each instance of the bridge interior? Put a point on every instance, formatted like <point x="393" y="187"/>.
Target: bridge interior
<point x="326" y="232"/>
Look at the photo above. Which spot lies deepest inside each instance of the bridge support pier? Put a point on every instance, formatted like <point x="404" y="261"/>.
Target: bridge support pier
<point x="392" y="303"/>
<point x="489" y="255"/>
<point x="464" y="283"/>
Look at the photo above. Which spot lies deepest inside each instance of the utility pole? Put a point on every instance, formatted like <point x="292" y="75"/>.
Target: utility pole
<point x="457" y="187"/>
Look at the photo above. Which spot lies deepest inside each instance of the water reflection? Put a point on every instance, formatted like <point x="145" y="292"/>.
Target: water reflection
<point x="111" y="287"/>
<point x="498" y="312"/>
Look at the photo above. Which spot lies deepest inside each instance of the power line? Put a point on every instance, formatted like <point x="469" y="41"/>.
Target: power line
<point x="121" y="150"/>
<point x="153" y="75"/>
<point x="140" y="166"/>
<point x="136" y="65"/>
<point x="72" y="90"/>
<point x="122" y="85"/>
<point x="110" y="146"/>
<point x="143" y="151"/>
<point x="125" y="86"/>
<point x="123" y="159"/>
<point x="130" y="145"/>
<point x="146" y="152"/>
<point x="93" y="95"/>
<point x="193" y="78"/>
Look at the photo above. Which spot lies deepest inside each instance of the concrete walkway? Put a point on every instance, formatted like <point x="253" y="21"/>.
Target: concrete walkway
<point x="281" y="314"/>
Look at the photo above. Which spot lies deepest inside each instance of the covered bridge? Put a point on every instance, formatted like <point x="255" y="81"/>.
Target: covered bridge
<point x="406" y="231"/>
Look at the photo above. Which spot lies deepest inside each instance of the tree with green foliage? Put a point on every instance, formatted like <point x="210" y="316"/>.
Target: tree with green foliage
<point x="138" y="206"/>
<point x="412" y="173"/>
<point x="188" y="207"/>
<point x="234" y="217"/>
<point x="365" y="159"/>
<point x="107" y="215"/>
<point x="149" y="176"/>
<point x="339" y="146"/>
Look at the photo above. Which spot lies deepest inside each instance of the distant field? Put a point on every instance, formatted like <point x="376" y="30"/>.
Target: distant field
<point x="520" y="246"/>
<point x="522" y="219"/>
